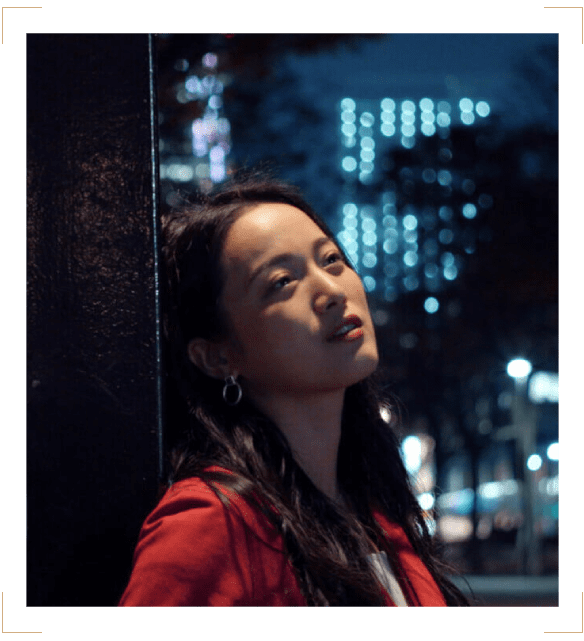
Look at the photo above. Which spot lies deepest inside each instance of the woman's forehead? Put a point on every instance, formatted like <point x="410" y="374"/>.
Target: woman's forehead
<point x="266" y="229"/>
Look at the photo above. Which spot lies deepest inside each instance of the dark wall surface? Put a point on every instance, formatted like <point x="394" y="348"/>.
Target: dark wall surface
<point x="94" y="387"/>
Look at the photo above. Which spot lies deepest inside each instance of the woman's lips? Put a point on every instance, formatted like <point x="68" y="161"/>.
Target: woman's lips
<point x="350" y="329"/>
<point x="353" y="335"/>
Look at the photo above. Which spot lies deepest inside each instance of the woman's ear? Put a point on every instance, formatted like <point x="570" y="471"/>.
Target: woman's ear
<point x="210" y="357"/>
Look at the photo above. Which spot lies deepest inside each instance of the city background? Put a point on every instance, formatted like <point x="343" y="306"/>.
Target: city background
<point x="434" y="159"/>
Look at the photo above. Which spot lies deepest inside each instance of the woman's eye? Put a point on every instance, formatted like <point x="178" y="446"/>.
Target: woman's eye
<point x="333" y="258"/>
<point x="280" y="283"/>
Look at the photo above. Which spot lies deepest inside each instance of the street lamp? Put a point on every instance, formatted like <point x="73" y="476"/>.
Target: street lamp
<point x="519" y="370"/>
<point x="553" y="451"/>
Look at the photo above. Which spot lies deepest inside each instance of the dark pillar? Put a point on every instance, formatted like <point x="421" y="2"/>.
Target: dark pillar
<point x="94" y="386"/>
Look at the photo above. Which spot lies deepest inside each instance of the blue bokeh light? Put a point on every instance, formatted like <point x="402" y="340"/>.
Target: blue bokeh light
<point x="431" y="305"/>
<point x="483" y="108"/>
<point x="348" y="104"/>
<point x="369" y="283"/>
<point x="387" y="104"/>
<point x="466" y="105"/>
<point x="367" y="119"/>
<point x="426" y="104"/>
<point x="349" y="163"/>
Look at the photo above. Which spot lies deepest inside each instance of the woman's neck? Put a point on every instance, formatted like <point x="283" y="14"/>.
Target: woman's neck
<point x="312" y="426"/>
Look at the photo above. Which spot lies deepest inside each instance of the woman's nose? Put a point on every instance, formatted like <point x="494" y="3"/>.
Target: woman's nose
<point x="328" y="293"/>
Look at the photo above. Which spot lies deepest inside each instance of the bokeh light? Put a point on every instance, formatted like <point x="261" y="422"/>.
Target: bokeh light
<point x="426" y="104"/>
<point x="534" y="462"/>
<point x="443" y="119"/>
<point x="450" y="272"/>
<point x="369" y="283"/>
<point x="367" y="119"/>
<point x="553" y="452"/>
<point x="466" y="105"/>
<point x="410" y="258"/>
<point x="429" y="175"/>
<point x="369" y="260"/>
<point x="411" y="282"/>
<point x="467" y="118"/>
<point x="410" y="222"/>
<point x="431" y="305"/>
<point x="444" y="177"/>
<point x="483" y="108"/>
<point x="348" y="104"/>
<point x="444" y="107"/>
<point x="426" y="500"/>
<point x="210" y="60"/>
<point x="411" y="448"/>
<point x="519" y="368"/>
<point x="349" y="163"/>
<point x="387" y="104"/>
<point x="431" y="270"/>
<point x="408" y="142"/>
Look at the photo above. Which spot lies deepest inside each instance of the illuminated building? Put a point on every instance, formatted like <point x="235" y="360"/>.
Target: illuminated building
<point x="397" y="245"/>
<point x="205" y="160"/>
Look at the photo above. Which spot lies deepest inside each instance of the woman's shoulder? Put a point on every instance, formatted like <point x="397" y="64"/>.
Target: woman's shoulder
<point x="390" y="526"/>
<point x="199" y="546"/>
<point x="210" y="501"/>
<point x="214" y="486"/>
<point x="196" y="488"/>
<point x="395" y="533"/>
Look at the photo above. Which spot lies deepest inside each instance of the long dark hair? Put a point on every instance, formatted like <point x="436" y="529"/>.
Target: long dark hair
<point x="327" y="546"/>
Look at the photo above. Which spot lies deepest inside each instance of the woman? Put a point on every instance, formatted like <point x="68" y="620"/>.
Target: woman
<point x="288" y="488"/>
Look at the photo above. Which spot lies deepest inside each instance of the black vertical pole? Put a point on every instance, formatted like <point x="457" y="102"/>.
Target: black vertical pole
<point x="94" y="420"/>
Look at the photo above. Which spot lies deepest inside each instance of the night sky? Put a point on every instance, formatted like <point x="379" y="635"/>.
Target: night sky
<point x="452" y="66"/>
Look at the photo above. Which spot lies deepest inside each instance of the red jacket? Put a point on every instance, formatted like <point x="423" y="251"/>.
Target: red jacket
<point x="193" y="551"/>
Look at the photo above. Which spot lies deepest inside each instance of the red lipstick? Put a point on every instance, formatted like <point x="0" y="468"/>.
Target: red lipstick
<point x="350" y="329"/>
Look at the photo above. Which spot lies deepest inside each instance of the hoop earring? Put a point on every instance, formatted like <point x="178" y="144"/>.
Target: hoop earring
<point x="230" y="382"/>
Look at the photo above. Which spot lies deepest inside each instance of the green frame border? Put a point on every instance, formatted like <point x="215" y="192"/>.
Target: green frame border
<point x="423" y="16"/>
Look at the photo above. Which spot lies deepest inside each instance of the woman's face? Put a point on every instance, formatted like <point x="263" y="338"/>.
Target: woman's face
<point x="298" y="314"/>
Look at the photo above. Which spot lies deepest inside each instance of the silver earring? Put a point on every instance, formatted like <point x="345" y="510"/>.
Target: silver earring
<point x="231" y="383"/>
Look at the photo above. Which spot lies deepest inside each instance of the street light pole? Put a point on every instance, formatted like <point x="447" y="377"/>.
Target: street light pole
<point x="523" y="420"/>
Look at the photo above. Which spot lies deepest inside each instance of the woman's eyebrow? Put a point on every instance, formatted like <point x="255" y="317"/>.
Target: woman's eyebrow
<point x="286" y="257"/>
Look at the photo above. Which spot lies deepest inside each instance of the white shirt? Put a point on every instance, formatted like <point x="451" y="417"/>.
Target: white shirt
<point x="385" y="574"/>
